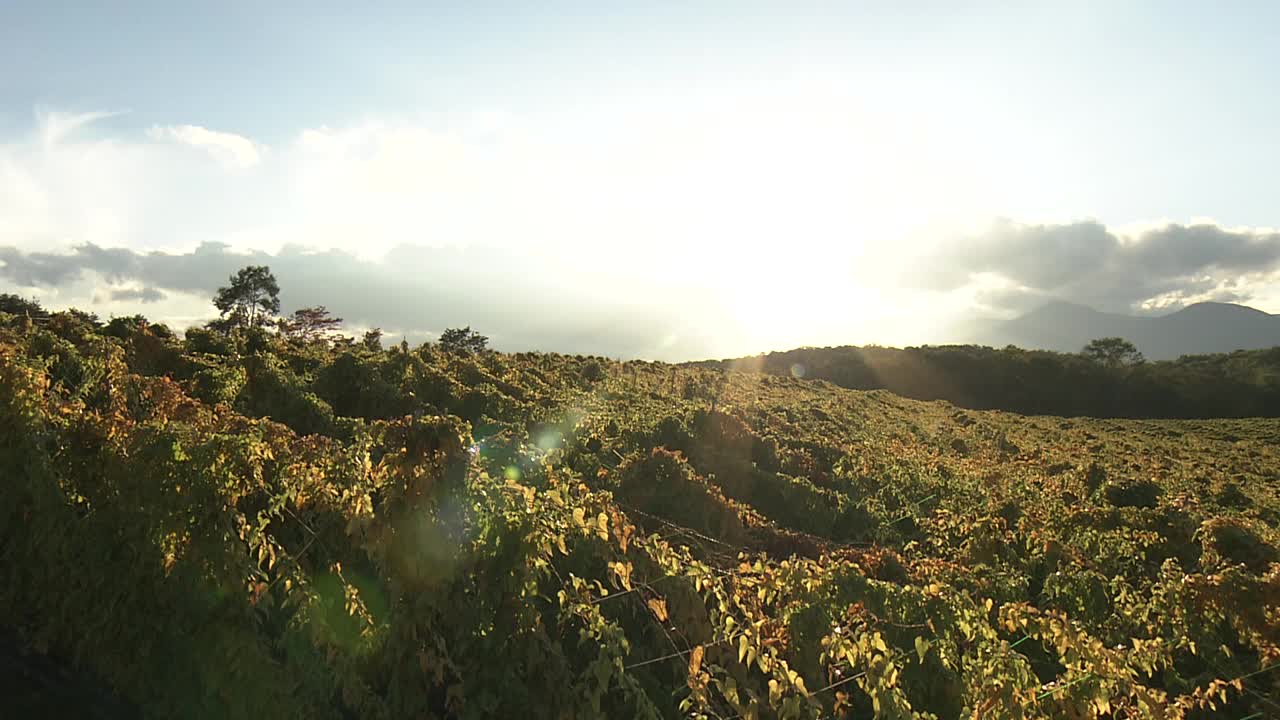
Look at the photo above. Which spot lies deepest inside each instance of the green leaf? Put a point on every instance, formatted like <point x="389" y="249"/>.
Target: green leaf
<point x="922" y="647"/>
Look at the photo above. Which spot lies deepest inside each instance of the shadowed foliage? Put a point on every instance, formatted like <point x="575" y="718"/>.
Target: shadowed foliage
<point x="242" y="523"/>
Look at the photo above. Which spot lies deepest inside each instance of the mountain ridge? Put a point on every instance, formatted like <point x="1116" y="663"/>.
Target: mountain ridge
<point x="1198" y="329"/>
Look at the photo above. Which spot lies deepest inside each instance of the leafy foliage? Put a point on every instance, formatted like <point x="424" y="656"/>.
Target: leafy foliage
<point x="309" y="324"/>
<point x="17" y="305"/>
<point x="463" y="340"/>
<point x="1245" y="383"/>
<point x="1113" y="352"/>
<point x="251" y="298"/>
<point x="226" y="526"/>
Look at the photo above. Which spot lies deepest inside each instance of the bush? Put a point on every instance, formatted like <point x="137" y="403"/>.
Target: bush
<point x="592" y="371"/>
<point x="1135" y="493"/>
<point x="219" y="384"/>
<point x="203" y="340"/>
<point x="272" y="391"/>
<point x="663" y="484"/>
<point x="1230" y="541"/>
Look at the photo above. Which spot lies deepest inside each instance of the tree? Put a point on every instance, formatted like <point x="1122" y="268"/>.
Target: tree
<point x="251" y="299"/>
<point x="310" y="323"/>
<point x="1112" y="352"/>
<point x="87" y="318"/>
<point x="123" y="327"/>
<point x="463" y="341"/>
<point x="20" y="306"/>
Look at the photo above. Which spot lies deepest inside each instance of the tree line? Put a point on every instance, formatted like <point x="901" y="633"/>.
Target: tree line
<point x="251" y="302"/>
<point x="1108" y="378"/>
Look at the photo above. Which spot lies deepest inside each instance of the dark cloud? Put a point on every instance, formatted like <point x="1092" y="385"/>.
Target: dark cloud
<point x="38" y="269"/>
<point x="145" y="295"/>
<point x="1086" y="263"/>
<point x="567" y="303"/>
<point x="521" y="302"/>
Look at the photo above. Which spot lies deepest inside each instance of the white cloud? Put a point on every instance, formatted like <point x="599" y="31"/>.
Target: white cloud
<point x="56" y="125"/>
<point x="766" y="227"/>
<point x="231" y="149"/>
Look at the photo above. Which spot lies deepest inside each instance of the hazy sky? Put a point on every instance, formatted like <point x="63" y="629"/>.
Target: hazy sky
<point x="666" y="180"/>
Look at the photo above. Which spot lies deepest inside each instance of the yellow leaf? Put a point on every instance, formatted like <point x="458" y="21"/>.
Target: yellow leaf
<point x="623" y="571"/>
<point x="579" y="517"/>
<point x="695" y="663"/>
<point x="659" y="608"/>
<point x="602" y="525"/>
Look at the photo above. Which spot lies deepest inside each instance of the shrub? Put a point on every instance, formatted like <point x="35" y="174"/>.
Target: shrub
<point x="1134" y="493"/>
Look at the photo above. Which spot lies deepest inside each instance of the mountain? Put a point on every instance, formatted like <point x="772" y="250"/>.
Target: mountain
<point x="1195" y="330"/>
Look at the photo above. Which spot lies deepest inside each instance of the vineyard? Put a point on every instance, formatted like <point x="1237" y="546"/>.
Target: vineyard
<point x="244" y="525"/>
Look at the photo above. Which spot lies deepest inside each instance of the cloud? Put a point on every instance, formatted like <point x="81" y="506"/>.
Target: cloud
<point x="625" y="241"/>
<point x="414" y="292"/>
<point x="143" y="295"/>
<point x="672" y="234"/>
<point x="56" y="125"/>
<point x="704" y="180"/>
<point x="1012" y="266"/>
<point x="230" y="149"/>
<point x="363" y="188"/>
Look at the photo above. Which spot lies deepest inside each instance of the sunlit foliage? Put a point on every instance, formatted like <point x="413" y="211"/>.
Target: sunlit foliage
<point x="246" y="525"/>
<point x="1108" y="379"/>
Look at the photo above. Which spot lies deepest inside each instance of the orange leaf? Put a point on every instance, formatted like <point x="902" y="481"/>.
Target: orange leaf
<point x="695" y="664"/>
<point x="659" y="608"/>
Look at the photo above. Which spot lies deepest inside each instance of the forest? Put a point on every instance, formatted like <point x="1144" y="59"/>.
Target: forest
<point x="265" y="517"/>
<point x="1245" y="383"/>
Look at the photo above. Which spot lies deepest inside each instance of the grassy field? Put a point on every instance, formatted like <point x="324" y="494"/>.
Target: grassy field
<point x="236" y="527"/>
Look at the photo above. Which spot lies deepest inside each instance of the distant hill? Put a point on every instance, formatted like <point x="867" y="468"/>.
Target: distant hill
<point x="1242" y="383"/>
<point x="1200" y="329"/>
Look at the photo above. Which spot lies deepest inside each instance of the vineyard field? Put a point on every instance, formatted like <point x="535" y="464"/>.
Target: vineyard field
<point x="243" y="525"/>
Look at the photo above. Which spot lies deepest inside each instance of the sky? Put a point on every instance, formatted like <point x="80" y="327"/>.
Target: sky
<point x="657" y="180"/>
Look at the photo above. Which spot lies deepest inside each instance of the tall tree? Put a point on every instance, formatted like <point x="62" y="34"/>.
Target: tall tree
<point x="1112" y="352"/>
<point x="372" y="339"/>
<point x="310" y="323"/>
<point x="251" y="299"/>
<point x="463" y="341"/>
